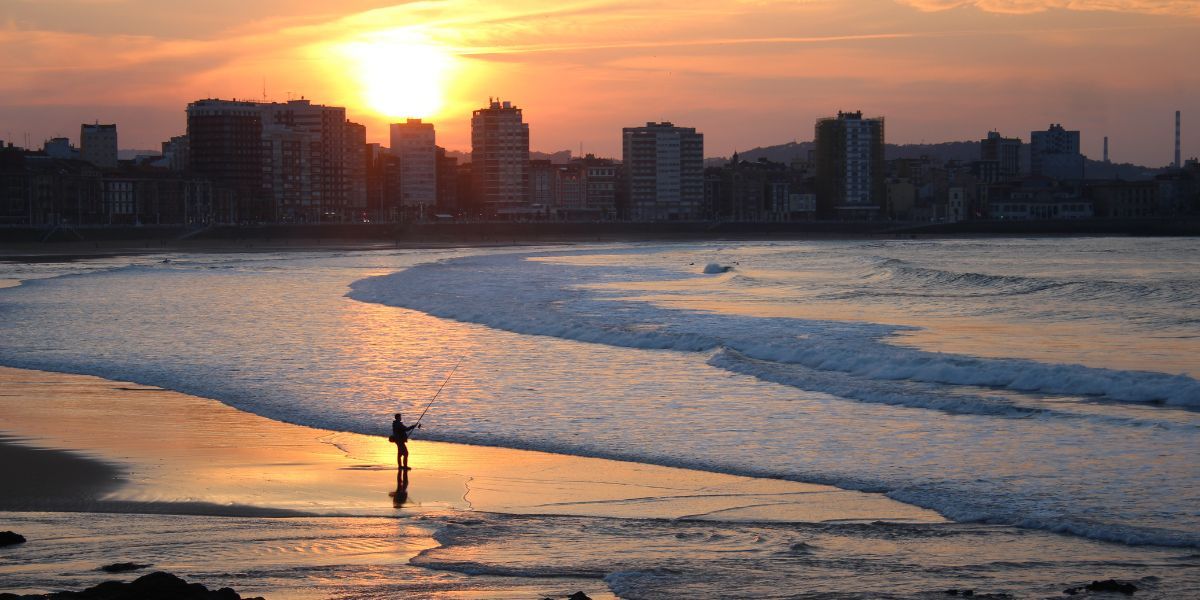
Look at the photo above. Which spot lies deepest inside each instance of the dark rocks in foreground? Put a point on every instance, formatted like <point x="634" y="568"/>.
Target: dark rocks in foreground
<point x="9" y="538"/>
<point x="155" y="586"/>
<point x="1108" y="585"/>
<point x="976" y="596"/>
<point x="123" y="567"/>
<point x="576" y="596"/>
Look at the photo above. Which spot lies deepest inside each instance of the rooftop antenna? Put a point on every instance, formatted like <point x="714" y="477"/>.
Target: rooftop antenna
<point x="264" y="88"/>
<point x="1106" y="148"/>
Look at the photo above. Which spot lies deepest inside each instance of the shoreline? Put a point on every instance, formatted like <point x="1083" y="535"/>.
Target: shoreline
<point x="167" y="447"/>
<point x="122" y="461"/>
<point x="223" y="497"/>
<point x="21" y="241"/>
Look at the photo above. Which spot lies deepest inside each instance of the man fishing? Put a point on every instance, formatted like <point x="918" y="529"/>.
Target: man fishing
<point x="400" y="431"/>
<point x="399" y="436"/>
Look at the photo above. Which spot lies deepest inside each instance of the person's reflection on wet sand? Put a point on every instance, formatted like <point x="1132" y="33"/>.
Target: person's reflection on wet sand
<point x="400" y="496"/>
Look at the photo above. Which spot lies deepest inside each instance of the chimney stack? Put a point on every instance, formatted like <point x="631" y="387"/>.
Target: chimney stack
<point x="1178" y="164"/>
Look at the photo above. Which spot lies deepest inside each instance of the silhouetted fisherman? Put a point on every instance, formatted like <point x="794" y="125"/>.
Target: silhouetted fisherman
<point x="399" y="436"/>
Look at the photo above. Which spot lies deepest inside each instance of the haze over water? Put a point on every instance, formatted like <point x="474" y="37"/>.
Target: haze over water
<point x="1046" y="384"/>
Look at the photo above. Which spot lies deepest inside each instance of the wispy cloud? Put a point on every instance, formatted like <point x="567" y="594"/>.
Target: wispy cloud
<point x="584" y="68"/>
<point x="1153" y="7"/>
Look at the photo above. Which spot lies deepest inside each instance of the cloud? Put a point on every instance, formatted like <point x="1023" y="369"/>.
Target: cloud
<point x="744" y="71"/>
<point x="1021" y="7"/>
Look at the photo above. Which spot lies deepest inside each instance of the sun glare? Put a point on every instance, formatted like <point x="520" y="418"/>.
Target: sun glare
<point x="400" y="74"/>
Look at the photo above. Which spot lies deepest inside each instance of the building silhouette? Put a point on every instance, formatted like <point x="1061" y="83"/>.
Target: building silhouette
<point x="586" y="188"/>
<point x="354" y="175"/>
<point x="60" y="147"/>
<point x="225" y="144"/>
<point x="500" y="161"/>
<point x="293" y="162"/>
<point x="414" y="144"/>
<point x="98" y="145"/>
<point x="1054" y="153"/>
<point x="306" y="161"/>
<point x="1004" y="152"/>
<point x="850" y="177"/>
<point x="664" y="172"/>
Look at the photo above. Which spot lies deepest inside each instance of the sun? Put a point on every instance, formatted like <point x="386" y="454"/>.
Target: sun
<point x="399" y="73"/>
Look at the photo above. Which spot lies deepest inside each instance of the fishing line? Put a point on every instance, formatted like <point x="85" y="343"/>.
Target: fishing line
<point x="439" y="390"/>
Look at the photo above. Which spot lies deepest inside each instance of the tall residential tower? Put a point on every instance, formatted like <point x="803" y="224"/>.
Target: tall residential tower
<point x="414" y="144"/>
<point x="500" y="160"/>
<point x="850" y="178"/>
<point x="98" y="145"/>
<point x="664" y="167"/>
<point x="1055" y="153"/>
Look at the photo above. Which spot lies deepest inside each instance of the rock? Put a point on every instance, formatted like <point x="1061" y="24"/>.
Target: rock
<point x="1112" y="585"/>
<point x="1108" y="585"/>
<point x="9" y="538"/>
<point x="155" y="586"/>
<point x="578" y="596"/>
<point x="123" y="567"/>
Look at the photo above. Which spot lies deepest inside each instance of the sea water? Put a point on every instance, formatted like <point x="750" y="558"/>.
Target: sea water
<point x="1023" y="388"/>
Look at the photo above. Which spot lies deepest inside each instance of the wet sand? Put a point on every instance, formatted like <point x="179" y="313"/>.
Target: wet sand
<point x="84" y="444"/>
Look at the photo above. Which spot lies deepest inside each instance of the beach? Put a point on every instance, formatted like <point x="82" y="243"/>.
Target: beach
<point x="121" y="457"/>
<point x="851" y="419"/>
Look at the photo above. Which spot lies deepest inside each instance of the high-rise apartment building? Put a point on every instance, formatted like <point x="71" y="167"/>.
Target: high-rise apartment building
<point x="1005" y="152"/>
<point x="355" y="173"/>
<point x="98" y="145"/>
<point x="1055" y="153"/>
<point x="850" y="178"/>
<point x="447" y="182"/>
<point x="225" y="144"/>
<point x="414" y="144"/>
<point x="292" y="162"/>
<point x="500" y="160"/>
<point x="664" y="167"/>
<point x="306" y="160"/>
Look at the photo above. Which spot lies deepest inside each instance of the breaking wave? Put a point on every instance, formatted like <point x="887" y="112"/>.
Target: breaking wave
<point x="536" y="298"/>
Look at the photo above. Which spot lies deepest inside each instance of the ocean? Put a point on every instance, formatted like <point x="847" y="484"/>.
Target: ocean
<point x="1040" y="393"/>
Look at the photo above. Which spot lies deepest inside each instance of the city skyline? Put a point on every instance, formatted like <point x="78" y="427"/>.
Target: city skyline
<point x="747" y="74"/>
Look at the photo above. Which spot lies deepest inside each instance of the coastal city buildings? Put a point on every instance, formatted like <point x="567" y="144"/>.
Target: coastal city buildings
<point x="850" y="182"/>
<point x="293" y="162"/>
<point x="1004" y="152"/>
<point x="297" y="162"/>
<point x="664" y="170"/>
<point x="500" y="161"/>
<point x="1055" y="153"/>
<point x="98" y="145"/>
<point x="225" y="140"/>
<point x="414" y="144"/>
<point x="587" y="188"/>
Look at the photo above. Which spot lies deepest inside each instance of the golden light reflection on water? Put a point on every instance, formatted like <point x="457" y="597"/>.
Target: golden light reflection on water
<point x="406" y="357"/>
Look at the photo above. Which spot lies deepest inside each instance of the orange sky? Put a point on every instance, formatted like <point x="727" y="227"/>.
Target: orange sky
<point x="744" y="72"/>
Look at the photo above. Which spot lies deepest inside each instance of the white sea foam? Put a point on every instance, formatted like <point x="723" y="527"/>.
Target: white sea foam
<point x="513" y="294"/>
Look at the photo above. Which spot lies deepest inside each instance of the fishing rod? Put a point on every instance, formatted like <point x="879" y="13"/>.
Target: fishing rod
<point x="439" y="390"/>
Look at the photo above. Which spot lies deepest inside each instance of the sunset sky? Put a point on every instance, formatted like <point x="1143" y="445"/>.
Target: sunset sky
<point x="744" y="72"/>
